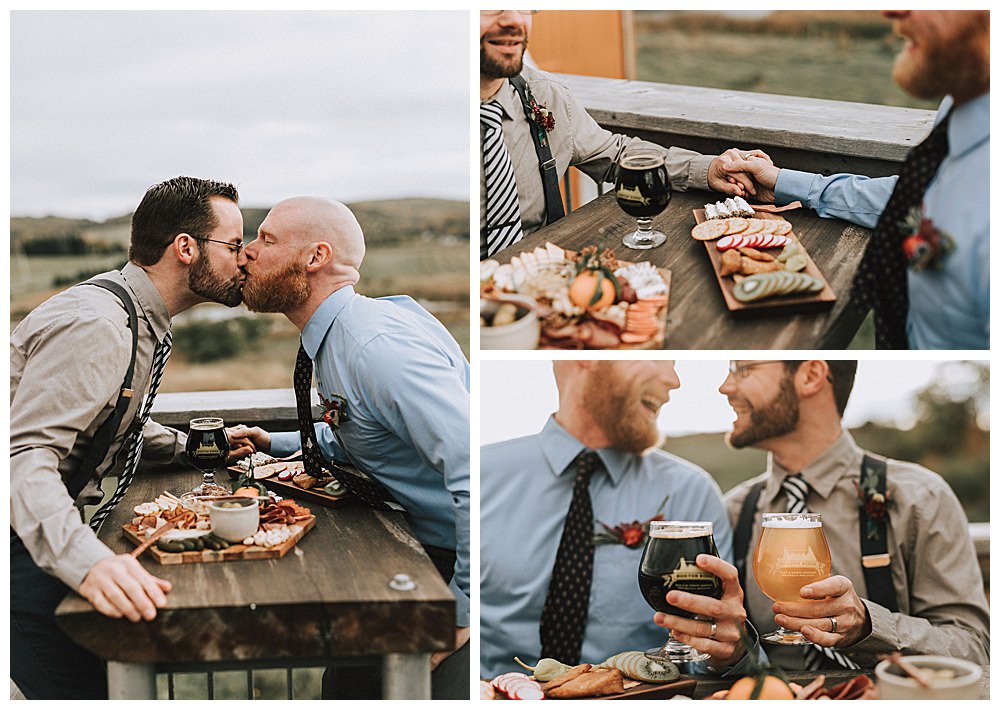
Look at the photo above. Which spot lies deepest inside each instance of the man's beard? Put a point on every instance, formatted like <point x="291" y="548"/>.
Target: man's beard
<point x="496" y="69"/>
<point x="276" y="292"/>
<point x="776" y="418"/>
<point x="203" y="281"/>
<point x="945" y="67"/>
<point x="608" y="397"/>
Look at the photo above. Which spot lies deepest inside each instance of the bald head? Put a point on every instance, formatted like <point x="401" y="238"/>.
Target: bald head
<point x="313" y="219"/>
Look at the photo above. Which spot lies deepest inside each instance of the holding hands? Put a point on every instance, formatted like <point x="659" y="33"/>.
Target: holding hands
<point x="837" y="618"/>
<point x="719" y="637"/>
<point x="244" y="440"/>
<point x="734" y="173"/>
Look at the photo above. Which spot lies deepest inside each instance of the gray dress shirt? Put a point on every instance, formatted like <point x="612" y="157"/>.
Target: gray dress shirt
<point x="939" y="586"/>
<point x="576" y="140"/>
<point x="67" y="362"/>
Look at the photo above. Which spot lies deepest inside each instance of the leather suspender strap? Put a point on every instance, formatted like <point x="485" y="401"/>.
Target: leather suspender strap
<point x="546" y="163"/>
<point x="875" y="561"/>
<point x="744" y="528"/>
<point x="105" y="433"/>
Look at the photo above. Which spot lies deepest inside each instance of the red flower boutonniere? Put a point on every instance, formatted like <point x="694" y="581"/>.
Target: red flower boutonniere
<point x="630" y="535"/>
<point x="542" y="117"/>
<point x="874" y="503"/>
<point x="925" y="246"/>
<point x="334" y="410"/>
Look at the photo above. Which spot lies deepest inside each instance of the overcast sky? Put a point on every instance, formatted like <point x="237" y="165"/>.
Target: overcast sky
<point x="349" y="105"/>
<point x="518" y="397"/>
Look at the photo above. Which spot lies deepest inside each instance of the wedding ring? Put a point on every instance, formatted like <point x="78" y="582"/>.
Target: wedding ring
<point x="711" y="634"/>
<point x="833" y="624"/>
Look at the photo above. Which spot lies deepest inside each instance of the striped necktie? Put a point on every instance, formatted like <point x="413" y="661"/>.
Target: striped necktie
<point x="503" y="214"/>
<point x="796" y="490"/>
<point x="160" y="355"/>
<point x="567" y="601"/>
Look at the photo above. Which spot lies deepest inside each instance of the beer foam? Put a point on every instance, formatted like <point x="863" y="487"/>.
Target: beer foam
<point x="671" y="530"/>
<point x="641" y="161"/>
<point x="205" y="423"/>
<point x="796" y="522"/>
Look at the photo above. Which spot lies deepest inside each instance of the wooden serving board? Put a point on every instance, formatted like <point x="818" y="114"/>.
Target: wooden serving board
<point x="653" y="691"/>
<point x="796" y="303"/>
<point x="290" y="490"/>
<point x="233" y="552"/>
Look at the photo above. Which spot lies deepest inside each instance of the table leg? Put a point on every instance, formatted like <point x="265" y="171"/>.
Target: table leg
<point x="406" y="676"/>
<point x="131" y="681"/>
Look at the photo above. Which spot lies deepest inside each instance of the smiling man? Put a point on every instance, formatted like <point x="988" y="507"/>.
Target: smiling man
<point x="905" y="575"/>
<point x="516" y="196"/>
<point x="926" y="272"/>
<point x="547" y="588"/>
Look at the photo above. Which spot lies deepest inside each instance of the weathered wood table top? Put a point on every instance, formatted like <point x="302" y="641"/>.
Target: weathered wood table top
<point x="328" y="597"/>
<point x="698" y="318"/>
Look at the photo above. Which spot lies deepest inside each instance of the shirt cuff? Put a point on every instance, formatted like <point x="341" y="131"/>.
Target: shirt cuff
<point x="284" y="443"/>
<point x="461" y="604"/>
<point x="882" y="637"/>
<point x="793" y="185"/>
<point x="740" y="667"/>
<point x="79" y="559"/>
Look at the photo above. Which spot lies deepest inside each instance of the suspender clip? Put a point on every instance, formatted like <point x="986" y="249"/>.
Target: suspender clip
<point x="549" y="164"/>
<point x="873" y="561"/>
<point x="127" y="393"/>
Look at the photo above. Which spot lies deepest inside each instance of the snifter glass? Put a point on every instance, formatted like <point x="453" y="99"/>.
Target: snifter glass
<point x="208" y="448"/>
<point x="668" y="562"/>
<point x="791" y="553"/>
<point x="642" y="189"/>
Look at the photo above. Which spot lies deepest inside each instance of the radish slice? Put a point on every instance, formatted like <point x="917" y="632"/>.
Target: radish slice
<point x="725" y="243"/>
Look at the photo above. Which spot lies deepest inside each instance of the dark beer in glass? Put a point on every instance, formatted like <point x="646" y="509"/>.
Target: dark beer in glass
<point x="207" y="448"/>
<point x="642" y="189"/>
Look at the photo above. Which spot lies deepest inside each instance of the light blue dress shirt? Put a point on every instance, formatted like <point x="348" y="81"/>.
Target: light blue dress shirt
<point x="525" y="492"/>
<point x="406" y="382"/>
<point x="950" y="306"/>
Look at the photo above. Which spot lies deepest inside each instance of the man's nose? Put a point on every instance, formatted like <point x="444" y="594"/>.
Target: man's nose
<point x="249" y="252"/>
<point x="511" y="18"/>
<point x="895" y="14"/>
<point x="728" y="384"/>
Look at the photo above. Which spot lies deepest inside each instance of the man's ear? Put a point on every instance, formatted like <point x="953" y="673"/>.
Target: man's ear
<point x="320" y="254"/>
<point x="812" y="377"/>
<point x="184" y="247"/>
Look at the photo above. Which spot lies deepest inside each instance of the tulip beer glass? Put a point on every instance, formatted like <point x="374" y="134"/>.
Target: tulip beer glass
<point x="668" y="562"/>
<point x="208" y="448"/>
<point x="642" y="189"/>
<point x="792" y="552"/>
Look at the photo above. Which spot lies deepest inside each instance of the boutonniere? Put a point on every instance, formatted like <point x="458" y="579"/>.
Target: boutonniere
<point x="539" y="113"/>
<point x="925" y="246"/>
<point x="873" y="502"/>
<point x="631" y="535"/>
<point x="334" y="410"/>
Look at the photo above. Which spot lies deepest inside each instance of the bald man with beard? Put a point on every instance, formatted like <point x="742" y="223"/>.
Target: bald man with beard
<point x="401" y="386"/>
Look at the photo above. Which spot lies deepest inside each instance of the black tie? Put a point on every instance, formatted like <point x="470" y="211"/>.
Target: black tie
<point x="564" y="616"/>
<point x="369" y="490"/>
<point x="880" y="283"/>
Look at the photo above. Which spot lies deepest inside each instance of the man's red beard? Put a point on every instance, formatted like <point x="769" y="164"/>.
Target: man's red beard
<point x="278" y="291"/>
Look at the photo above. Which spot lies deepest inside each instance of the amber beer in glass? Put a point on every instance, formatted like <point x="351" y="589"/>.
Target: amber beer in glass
<point x="668" y="562"/>
<point x="791" y="553"/>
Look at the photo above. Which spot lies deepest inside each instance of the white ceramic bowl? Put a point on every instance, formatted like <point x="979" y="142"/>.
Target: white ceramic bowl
<point x="965" y="685"/>
<point x="522" y="334"/>
<point x="234" y="519"/>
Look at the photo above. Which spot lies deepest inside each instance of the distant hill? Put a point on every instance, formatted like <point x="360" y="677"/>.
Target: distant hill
<point x="385" y="222"/>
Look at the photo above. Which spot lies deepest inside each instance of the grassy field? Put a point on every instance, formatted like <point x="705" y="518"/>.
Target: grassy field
<point x="845" y="56"/>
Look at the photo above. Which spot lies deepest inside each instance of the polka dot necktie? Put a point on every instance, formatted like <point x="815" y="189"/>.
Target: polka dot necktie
<point x="503" y="213"/>
<point x="564" y="616"/>
<point x="369" y="490"/>
<point x="796" y="490"/>
<point x="160" y="355"/>
<point x="880" y="283"/>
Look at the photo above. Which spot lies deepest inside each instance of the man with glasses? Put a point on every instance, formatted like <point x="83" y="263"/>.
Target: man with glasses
<point x="71" y="420"/>
<point x="533" y="130"/>
<point x="395" y="386"/>
<point x="905" y="575"/>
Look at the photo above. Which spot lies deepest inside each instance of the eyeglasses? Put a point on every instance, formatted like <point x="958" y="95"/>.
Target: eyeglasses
<point x="234" y="248"/>
<point x="741" y="372"/>
<point x="496" y="13"/>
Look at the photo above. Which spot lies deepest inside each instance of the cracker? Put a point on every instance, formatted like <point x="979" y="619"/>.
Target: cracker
<point x="712" y="229"/>
<point x="784" y="227"/>
<point x="736" y="225"/>
<point x="753" y="226"/>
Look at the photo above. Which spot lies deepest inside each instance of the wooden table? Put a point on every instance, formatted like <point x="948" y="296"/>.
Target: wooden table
<point x="710" y="684"/>
<point x="697" y="317"/>
<point x="328" y="598"/>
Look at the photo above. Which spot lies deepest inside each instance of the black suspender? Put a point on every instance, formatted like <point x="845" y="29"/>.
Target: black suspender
<point x="101" y="442"/>
<point x="875" y="561"/>
<point x="546" y="163"/>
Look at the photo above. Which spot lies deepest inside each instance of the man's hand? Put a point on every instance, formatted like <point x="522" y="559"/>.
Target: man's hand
<point x="735" y="181"/>
<point x="119" y="586"/>
<point x="836" y="600"/>
<point x="461" y="637"/>
<point x="245" y="440"/>
<point x="761" y="170"/>
<point x="725" y="647"/>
